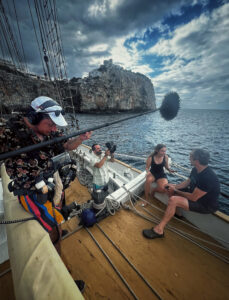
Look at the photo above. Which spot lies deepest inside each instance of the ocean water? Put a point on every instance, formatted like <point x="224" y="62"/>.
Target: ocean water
<point x="208" y="129"/>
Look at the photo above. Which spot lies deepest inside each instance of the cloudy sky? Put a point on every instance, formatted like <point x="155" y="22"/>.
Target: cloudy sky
<point x="180" y="45"/>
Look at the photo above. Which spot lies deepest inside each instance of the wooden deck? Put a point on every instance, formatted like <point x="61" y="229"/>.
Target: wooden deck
<point x="174" y="267"/>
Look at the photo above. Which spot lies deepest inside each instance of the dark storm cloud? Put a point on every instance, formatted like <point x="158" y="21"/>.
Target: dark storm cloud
<point x="87" y="23"/>
<point x="194" y="54"/>
<point x="84" y="24"/>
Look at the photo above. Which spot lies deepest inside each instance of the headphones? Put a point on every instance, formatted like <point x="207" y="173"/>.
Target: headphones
<point x="34" y="117"/>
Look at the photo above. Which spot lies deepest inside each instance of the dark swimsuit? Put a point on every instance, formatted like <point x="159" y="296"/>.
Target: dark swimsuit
<point x="157" y="170"/>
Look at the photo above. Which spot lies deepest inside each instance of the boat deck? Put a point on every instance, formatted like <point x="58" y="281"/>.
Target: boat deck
<point x="173" y="267"/>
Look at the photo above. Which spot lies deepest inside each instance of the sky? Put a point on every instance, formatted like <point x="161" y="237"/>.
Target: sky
<point x="181" y="46"/>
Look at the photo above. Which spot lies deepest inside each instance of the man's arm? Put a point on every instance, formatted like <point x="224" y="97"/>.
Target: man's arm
<point x="194" y="196"/>
<point x="183" y="184"/>
<point x="102" y="161"/>
<point x="72" y="144"/>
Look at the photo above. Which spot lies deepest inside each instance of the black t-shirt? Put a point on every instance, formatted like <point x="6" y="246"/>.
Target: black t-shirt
<point x="206" y="181"/>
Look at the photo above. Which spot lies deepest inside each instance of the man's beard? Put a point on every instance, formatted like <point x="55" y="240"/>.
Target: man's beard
<point x="99" y="153"/>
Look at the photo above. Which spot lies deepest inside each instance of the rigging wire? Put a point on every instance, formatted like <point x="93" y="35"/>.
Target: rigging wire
<point x="179" y="232"/>
<point x="12" y="46"/>
<point x="64" y="64"/>
<point x="20" y="37"/>
<point x="53" y="51"/>
<point x="112" y="264"/>
<point x="35" y="31"/>
<point x="128" y="261"/>
<point x="181" y="221"/>
<point x="53" y="47"/>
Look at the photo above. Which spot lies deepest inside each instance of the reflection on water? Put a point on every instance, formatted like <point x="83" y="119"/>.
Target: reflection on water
<point x="190" y="129"/>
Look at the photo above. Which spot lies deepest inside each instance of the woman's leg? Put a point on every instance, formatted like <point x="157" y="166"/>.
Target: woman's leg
<point x="149" y="180"/>
<point x="161" y="183"/>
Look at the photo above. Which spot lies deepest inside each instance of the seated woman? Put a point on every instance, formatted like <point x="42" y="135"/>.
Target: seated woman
<point x="155" y="170"/>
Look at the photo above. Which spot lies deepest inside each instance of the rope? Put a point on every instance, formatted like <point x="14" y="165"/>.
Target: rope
<point x="111" y="263"/>
<point x="181" y="221"/>
<point x="182" y="234"/>
<point x="135" y="269"/>
<point x="193" y="236"/>
<point x="16" y="221"/>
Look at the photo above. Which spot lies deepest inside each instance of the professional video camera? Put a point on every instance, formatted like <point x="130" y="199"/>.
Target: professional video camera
<point x="111" y="147"/>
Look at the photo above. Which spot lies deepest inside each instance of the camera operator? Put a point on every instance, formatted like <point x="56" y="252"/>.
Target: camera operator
<point x="100" y="166"/>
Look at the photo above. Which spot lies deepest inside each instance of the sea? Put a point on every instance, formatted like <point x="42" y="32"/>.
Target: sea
<point x="136" y="138"/>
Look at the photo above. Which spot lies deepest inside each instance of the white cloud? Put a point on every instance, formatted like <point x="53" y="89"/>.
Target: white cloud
<point x="200" y="58"/>
<point x="98" y="48"/>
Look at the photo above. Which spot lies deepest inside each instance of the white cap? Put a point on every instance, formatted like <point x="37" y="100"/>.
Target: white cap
<point x="49" y="106"/>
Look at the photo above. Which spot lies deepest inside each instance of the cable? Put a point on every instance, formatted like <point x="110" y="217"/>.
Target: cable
<point x="16" y="221"/>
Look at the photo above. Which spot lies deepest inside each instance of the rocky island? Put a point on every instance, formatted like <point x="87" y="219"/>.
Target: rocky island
<point x="110" y="88"/>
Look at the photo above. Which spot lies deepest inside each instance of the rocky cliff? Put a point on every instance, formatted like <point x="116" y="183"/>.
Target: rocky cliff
<point x="107" y="89"/>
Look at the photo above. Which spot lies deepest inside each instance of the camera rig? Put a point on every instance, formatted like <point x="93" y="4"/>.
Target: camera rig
<point x="111" y="147"/>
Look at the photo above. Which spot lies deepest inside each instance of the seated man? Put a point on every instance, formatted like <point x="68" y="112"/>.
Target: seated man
<point x="100" y="167"/>
<point x="202" y="196"/>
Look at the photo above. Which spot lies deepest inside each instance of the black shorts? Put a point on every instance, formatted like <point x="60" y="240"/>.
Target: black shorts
<point x="159" y="175"/>
<point x="198" y="207"/>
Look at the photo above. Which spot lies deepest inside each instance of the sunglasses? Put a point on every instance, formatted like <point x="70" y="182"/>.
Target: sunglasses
<point x="57" y="112"/>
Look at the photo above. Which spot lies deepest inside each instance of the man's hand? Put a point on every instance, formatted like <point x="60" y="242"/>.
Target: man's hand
<point x="85" y="136"/>
<point x="107" y="153"/>
<point x="170" y="189"/>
